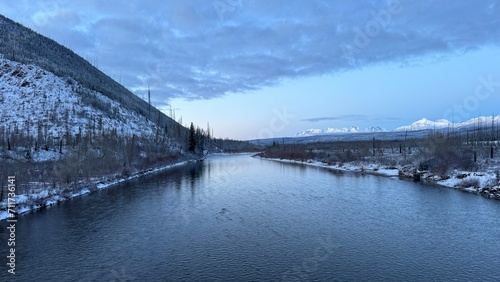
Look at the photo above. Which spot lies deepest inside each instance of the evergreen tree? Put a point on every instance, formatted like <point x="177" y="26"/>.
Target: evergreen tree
<point x="192" y="138"/>
<point x="208" y="132"/>
<point x="149" y="103"/>
<point x="200" y="139"/>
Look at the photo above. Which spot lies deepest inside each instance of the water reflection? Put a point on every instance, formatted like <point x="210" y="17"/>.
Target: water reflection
<point x="195" y="172"/>
<point x="242" y="219"/>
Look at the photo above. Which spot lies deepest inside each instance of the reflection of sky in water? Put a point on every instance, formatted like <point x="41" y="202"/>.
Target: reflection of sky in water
<point x="239" y="218"/>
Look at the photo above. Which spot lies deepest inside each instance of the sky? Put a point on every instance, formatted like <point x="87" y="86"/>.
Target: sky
<point x="260" y="69"/>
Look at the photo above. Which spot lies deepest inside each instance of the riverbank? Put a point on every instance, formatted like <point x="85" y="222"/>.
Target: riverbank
<point x="486" y="184"/>
<point x="48" y="197"/>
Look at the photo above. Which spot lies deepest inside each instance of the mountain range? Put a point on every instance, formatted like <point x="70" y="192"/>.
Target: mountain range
<point x="334" y="130"/>
<point x="478" y="122"/>
<point x="422" y="124"/>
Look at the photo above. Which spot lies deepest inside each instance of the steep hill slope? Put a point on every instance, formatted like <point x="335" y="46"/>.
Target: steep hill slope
<point x="20" y="44"/>
<point x="40" y="106"/>
<point x="64" y="123"/>
<point x="57" y="131"/>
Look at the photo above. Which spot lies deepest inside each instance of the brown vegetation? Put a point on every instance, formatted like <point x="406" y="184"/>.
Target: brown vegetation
<point x="437" y="153"/>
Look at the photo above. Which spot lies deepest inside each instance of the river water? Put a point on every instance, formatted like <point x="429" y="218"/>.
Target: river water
<point x="236" y="218"/>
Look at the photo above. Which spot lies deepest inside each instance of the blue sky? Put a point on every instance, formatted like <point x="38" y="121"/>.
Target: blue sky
<point x="274" y="68"/>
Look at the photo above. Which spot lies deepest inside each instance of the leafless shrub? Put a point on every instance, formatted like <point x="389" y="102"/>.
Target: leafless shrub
<point x="468" y="182"/>
<point x="444" y="154"/>
<point x="347" y="156"/>
<point x="126" y="171"/>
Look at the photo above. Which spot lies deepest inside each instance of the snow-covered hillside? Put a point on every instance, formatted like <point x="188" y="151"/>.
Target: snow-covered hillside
<point x="36" y="102"/>
<point x="334" y="130"/>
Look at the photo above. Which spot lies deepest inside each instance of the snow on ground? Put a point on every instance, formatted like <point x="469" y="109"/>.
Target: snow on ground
<point x="484" y="183"/>
<point x="466" y="180"/>
<point x="352" y="167"/>
<point x="48" y="197"/>
<point x="36" y="102"/>
<point x="43" y="156"/>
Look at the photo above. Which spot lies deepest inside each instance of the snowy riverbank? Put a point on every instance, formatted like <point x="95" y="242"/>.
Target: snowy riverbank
<point x="48" y="197"/>
<point x="486" y="184"/>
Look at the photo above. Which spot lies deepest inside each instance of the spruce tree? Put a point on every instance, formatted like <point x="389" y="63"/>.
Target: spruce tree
<point x="192" y="138"/>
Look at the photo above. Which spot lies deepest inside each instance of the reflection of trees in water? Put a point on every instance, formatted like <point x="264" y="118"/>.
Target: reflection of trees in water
<point x="177" y="177"/>
<point x="195" y="171"/>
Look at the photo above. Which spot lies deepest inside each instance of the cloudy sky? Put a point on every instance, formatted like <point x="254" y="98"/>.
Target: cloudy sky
<point x="255" y="68"/>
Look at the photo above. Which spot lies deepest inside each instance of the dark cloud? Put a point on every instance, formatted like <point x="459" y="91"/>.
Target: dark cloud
<point x="341" y="117"/>
<point x="357" y="118"/>
<point x="204" y="49"/>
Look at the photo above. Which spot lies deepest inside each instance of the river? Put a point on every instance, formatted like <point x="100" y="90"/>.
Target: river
<point x="236" y="218"/>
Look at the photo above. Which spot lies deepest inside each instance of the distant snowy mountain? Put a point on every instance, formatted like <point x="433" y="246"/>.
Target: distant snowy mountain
<point x="333" y="130"/>
<point x="310" y="132"/>
<point x="352" y="129"/>
<point x="483" y="121"/>
<point x="375" y="129"/>
<point x="423" y="124"/>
